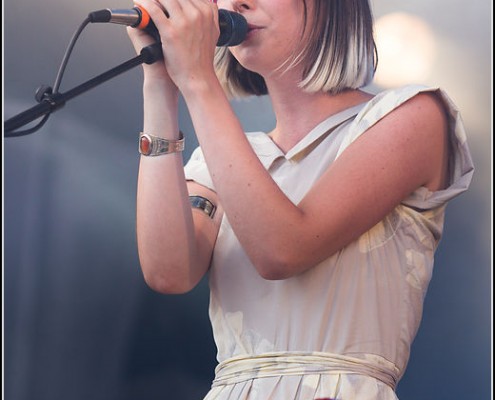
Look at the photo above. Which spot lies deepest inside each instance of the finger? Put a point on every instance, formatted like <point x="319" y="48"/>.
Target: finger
<point x="156" y="11"/>
<point x="173" y="8"/>
<point x="207" y="8"/>
<point x="139" y="38"/>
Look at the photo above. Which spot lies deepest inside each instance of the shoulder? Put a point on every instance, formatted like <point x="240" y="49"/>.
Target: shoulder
<point x="425" y="104"/>
<point x="422" y="114"/>
<point x="421" y="118"/>
<point x="417" y="126"/>
<point x="408" y="109"/>
<point x="414" y="110"/>
<point x="406" y="100"/>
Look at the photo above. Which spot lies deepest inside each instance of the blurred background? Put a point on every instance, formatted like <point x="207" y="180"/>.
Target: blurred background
<point x="79" y="322"/>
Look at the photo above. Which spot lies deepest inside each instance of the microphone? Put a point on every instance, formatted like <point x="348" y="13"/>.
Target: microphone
<point x="233" y="26"/>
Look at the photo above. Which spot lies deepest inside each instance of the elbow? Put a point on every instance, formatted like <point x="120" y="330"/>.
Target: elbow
<point x="166" y="283"/>
<point x="286" y="264"/>
<point x="164" y="286"/>
<point x="273" y="274"/>
<point x="275" y="267"/>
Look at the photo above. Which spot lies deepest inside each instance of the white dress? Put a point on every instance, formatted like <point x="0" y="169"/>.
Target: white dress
<point x="342" y="329"/>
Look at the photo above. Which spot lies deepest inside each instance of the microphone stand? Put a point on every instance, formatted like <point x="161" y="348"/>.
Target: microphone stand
<point x="50" y="102"/>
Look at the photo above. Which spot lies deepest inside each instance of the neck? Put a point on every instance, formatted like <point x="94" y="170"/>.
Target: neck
<point x="298" y="112"/>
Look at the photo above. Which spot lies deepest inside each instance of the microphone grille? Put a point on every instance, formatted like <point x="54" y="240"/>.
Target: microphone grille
<point x="233" y="28"/>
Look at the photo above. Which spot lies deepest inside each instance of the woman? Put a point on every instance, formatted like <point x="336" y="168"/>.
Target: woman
<point x="318" y="236"/>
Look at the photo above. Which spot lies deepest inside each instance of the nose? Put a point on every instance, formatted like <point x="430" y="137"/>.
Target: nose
<point x="238" y="5"/>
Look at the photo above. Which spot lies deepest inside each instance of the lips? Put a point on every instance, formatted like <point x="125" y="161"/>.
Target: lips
<point x="253" y="30"/>
<point x="252" y="27"/>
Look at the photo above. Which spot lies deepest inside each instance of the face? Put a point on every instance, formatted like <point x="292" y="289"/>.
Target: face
<point x="275" y="28"/>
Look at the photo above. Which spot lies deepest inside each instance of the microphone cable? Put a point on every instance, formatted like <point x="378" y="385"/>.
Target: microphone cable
<point x="233" y="30"/>
<point x="45" y="92"/>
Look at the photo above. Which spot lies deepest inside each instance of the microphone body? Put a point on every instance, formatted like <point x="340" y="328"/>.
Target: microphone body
<point x="233" y="26"/>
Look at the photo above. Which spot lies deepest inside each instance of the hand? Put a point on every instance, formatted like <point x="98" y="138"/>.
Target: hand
<point x="189" y="32"/>
<point x="156" y="73"/>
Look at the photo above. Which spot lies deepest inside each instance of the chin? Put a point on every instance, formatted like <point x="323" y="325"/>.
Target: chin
<point x="252" y="59"/>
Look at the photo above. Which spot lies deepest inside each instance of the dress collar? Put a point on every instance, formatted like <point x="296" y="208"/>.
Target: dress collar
<point x="268" y="151"/>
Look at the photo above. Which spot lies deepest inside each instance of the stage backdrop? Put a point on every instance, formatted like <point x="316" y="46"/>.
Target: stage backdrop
<point x="79" y="321"/>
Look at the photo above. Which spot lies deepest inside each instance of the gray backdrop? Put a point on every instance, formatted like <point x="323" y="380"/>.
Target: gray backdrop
<point x="80" y="323"/>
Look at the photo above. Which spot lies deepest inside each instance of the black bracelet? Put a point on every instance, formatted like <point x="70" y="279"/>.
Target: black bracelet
<point x="203" y="204"/>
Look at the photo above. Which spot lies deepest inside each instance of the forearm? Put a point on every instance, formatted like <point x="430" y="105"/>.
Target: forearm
<point x="400" y="153"/>
<point x="165" y="228"/>
<point x="259" y="212"/>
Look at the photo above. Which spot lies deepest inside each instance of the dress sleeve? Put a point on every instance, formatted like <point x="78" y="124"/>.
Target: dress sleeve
<point x="196" y="170"/>
<point x="460" y="162"/>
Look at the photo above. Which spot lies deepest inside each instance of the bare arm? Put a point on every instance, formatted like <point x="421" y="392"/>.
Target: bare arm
<point x="174" y="242"/>
<point x="405" y="150"/>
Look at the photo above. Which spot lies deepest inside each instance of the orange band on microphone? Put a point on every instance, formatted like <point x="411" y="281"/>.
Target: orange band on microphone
<point x="145" y="18"/>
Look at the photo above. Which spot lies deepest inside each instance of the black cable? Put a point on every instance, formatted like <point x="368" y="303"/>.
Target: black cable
<point x="30" y="130"/>
<point x="50" y="99"/>
<point x="44" y="93"/>
<point x="68" y="52"/>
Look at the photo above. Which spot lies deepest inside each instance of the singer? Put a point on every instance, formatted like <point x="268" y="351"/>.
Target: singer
<point x="318" y="235"/>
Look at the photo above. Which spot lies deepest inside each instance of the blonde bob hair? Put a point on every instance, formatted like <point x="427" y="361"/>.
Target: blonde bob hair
<point x="340" y="53"/>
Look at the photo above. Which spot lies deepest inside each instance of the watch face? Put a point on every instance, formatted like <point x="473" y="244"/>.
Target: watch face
<point x="145" y="145"/>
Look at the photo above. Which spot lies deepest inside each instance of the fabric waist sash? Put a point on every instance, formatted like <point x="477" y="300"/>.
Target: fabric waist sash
<point x="242" y="368"/>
